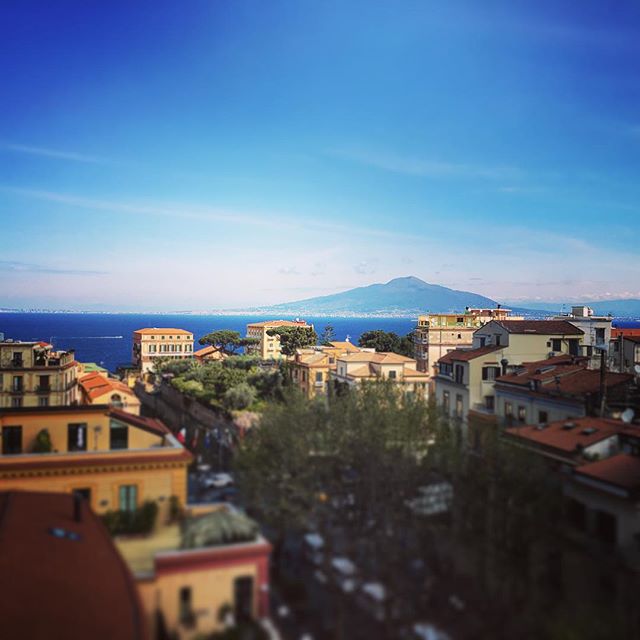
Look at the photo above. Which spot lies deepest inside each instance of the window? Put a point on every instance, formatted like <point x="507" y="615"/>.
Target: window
<point x="304" y="376"/>
<point x="556" y="345"/>
<point x="574" y="347"/>
<point x="16" y="403"/>
<point x="43" y="383"/>
<point x="11" y="440"/>
<point x="84" y="493"/>
<point x="606" y="527"/>
<point x="498" y="338"/>
<point x="508" y="409"/>
<point x="118" y="437"/>
<point x="543" y="417"/>
<point x="459" y="406"/>
<point x="17" y="384"/>
<point x="489" y="402"/>
<point x="445" y="401"/>
<point x="490" y="373"/>
<point x="318" y="376"/>
<point x="522" y="413"/>
<point x="483" y="341"/>
<point x="459" y="373"/>
<point x="43" y="402"/>
<point x="393" y="375"/>
<point x="17" y="359"/>
<point x="128" y="497"/>
<point x="186" y="607"/>
<point x="576" y="514"/>
<point x="77" y="437"/>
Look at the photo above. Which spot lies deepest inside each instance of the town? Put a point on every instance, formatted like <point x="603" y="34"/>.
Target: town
<point x="479" y="477"/>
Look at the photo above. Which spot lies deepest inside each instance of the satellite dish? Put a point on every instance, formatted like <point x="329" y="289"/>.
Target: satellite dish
<point x="628" y="415"/>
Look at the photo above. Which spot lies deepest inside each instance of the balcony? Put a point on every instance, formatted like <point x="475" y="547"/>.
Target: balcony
<point x="44" y="388"/>
<point x="16" y="363"/>
<point x="17" y="391"/>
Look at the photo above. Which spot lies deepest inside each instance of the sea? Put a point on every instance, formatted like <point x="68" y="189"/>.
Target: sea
<point x="106" y="339"/>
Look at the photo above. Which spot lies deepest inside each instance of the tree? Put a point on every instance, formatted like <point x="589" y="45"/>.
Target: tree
<point x="328" y="335"/>
<point x="388" y="341"/>
<point x="292" y="338"/>
<point x="240" y="397"/>
<point x="380" y="340"/>
<point x="42" y="443"/>
<point x="227" y="340"/>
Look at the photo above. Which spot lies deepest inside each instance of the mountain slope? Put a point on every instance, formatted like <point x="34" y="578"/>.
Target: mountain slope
<point x="407" y="295"/>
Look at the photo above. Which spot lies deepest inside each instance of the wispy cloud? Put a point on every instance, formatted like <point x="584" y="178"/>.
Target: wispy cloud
<point x="54" y="153"/>
<point x="12" y="266"/>
<point x="288" y="271"/>
<point x="206" y="213"/>
<point x="412" y="166"/>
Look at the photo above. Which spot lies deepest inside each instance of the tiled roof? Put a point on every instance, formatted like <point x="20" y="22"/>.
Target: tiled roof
<point x="621" y="471"/>
<point x="80" y="586"/>
<point x="151" y="425"/>
<point x="382" y="357"/>
<point x="279" y="323"/>
<point x="207" y="351"/>
<point x="562" y="437"/>
<point x="95" y="384"/>
<point x="346" y="345"/>
<point x="541" y="327"/>
<point x="465" y="355"/>
<point x="155" y="331"/>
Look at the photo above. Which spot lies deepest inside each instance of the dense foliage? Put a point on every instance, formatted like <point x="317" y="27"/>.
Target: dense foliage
<point x="227" y="340"/>
<point x="238" y="382"/>
<point x="140" y="521"/>
<point x="387" y="341"/>
<point x="292" y="338"/>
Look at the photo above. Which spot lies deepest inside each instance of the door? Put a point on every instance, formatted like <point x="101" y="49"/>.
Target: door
<point x="243" y="598"/>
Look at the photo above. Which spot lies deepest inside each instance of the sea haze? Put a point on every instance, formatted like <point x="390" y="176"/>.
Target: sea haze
<point x="106" y="338"/>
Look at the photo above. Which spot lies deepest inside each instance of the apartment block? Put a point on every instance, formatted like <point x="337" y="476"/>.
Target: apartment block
<point x="32" y="374"/>
<point x="152" y="343"/>
<point x="438" y="333"/>
<point x="268" y="347"/>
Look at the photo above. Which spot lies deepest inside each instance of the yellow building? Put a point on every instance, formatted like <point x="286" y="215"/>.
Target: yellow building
<point x="438" y="333"/>
<point x="209" y="354"/>
<point x="268" y="347"/>
<point x="311" y="367"/>
<point x="355" y="368"/>
<point x="32" y="374"/>
<point x="466" y="377"/>
<point x="149" y="344"/>
<point x="114" y="459"/>
<point x="98" y="388"/>
<point x="189" y="572"/>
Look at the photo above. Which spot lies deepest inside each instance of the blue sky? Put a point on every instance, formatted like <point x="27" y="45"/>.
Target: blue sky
<point x="198" y="155"/>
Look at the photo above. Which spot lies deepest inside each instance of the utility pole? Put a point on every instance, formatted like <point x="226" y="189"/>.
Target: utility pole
<point x="603" y="384"/>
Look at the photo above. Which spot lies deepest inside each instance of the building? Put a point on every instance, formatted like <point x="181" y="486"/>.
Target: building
<point x="32" y="374"/>
<point x="311" y="367"/>
<point x="466" y="377"/>
<point x="61" y="573"/>
<point x="188" y="573"/>
<point x="624" y="353"/>
<point x="114" y="459"/>
<point x="438" y="333"/>
<point x="625" y="328"/>
<point x="209" y="354"/>
<point x="558" y="388"/>
<point x="596" y="331"/>
<point x="98" y="388"/>
<point x="149" y="344"/>
<point x="268" y="347"/>
<point x="366" y="366"/>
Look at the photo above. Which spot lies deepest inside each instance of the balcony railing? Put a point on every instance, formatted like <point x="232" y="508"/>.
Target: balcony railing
<point x="44" y="388"/>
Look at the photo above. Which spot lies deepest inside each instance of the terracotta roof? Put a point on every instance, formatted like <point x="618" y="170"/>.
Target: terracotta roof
<point x="346" y="345"/>
<point x="155" y="331"/>
<point x="381" y="357"/>
<point x="279" y="323"/>
<point x="208" y="350"/>
<point x="465" y="355"/>
<point x="80" y="587"/>
<point x="412" y="373"/>
<point x="95" y="384"/>
<point x="151" y="425"/>
<point x="560" y="436"/>
<point x="621" y="471"/>
<point x="541" y="327"/>
<point x="311" y="359"/>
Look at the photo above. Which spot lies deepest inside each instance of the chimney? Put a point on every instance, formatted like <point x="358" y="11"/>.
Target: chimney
<point x="77" y="507"/>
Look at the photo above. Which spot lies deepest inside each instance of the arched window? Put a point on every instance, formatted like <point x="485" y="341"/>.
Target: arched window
<point x="116" y="400"/>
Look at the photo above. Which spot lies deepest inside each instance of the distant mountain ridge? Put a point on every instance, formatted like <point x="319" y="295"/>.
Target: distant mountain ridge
<point x="401" y="296"/>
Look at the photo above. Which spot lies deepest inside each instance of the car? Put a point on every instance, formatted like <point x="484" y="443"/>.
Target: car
<point x="218" y="481"/>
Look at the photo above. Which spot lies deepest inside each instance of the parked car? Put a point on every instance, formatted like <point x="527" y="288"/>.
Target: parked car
<point x="218" y="481"/>
<point x="313" y="546"/>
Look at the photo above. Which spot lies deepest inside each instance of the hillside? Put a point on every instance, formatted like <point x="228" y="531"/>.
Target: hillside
<point x="400" y="296"/>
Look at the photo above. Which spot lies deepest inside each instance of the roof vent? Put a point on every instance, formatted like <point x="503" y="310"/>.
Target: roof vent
<point x="589" y="431"/>
<point x="567" y="426"/>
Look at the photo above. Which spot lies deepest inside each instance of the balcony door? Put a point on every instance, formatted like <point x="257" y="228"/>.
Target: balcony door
<point x="11" y="440"/>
